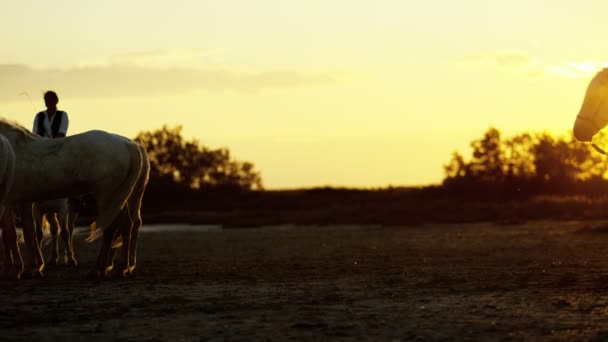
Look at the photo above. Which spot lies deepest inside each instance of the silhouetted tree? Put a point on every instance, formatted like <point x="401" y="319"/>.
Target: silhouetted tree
<point x="457" y="168"/>
<point x="488" y="162"/>
<point x="519" y="162"/>
<point x="538" y="162"/>
<point x="173" y="159"/>
<point x="554" y="160"/>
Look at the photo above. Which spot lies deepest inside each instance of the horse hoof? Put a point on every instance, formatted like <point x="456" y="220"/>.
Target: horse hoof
<point x="97" y="275"/>
<point x="12" y="274"/>
<point x="72" y="263"/>
<point x="31" y="274"/>
<point x="125" y="273"/>
<point x="37" y="273"/>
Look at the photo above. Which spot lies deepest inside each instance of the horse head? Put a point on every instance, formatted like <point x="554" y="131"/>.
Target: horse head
<point x="593" y="115"/>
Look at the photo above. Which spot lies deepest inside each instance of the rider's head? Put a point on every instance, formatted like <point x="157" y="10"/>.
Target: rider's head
<point x="51" y="99"/>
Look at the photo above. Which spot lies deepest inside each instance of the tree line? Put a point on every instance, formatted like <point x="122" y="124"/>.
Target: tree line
<point x="191" y="182"/>
<point x="186" y="175"/>
<point x="526" y="164"/>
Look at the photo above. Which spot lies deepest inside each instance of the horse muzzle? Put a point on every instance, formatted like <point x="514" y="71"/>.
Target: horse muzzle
<point x="584" y="129"/>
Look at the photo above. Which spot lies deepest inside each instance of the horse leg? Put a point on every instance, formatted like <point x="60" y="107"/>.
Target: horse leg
<point x="67" y="231"/>
<point x="134" y="205"/>
<point x="136" y="219"/>
<point x="124" y="225"/>
<point x="29" y="235"/>
<point x="39" y="219"/>
<point x="102" y="260"/>
<point x="13" y="263"/>
<point x="53" y="222"/>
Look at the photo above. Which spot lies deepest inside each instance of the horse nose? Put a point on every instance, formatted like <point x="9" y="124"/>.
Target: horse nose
<point x="583" y="130"/>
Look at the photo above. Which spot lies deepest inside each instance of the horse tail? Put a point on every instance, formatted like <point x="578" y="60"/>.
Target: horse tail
<point x="120" y="198"/>
<point x="45" y="225"/>
<point x="117" y="242"/>
<point x="140" y="187"/>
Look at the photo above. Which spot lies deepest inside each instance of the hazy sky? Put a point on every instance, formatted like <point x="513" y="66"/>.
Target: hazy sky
<point x="333" y="92"/>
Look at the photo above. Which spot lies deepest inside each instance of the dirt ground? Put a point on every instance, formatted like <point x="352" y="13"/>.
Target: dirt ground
<point x="539" y="280"/>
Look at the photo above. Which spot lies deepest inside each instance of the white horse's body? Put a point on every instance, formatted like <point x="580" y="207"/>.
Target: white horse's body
<point x="107" y="165"/>
<point x="98" y="162"/>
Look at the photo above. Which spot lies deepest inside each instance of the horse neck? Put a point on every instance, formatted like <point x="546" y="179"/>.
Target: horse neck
<point x="17" y="137"/>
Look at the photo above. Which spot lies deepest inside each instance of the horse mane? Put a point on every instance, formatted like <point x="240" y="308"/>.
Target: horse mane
<point x="22" y="133"/>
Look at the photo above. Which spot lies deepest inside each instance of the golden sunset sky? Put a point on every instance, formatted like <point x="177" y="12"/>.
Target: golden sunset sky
<point x="333" y="92"/>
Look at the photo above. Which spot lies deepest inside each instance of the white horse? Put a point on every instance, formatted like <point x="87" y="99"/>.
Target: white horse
<point x="56" y="214"/>
<point x="593" y="115"/>
<point x="7" y="170"/>
<point x="9" y="234"/>
<point x="107" y="165"/>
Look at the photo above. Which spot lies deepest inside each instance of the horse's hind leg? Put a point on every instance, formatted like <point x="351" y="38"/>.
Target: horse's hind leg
<point x="136" y="218"/>
<point x="134" y="210"/>
<point x="13" y="263"/>
<point x="67" y="232"/>
<point x="55" y="227"/>
<point x="106" y="245"/>
<point x="38" y="218"/>
<point x="124" y="225"/>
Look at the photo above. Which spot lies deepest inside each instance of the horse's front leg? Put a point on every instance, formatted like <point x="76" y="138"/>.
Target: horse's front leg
<point x="31" y="241"/>
<point x="13" y="263"/>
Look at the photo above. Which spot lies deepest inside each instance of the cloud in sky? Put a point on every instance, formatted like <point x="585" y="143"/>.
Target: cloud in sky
<point x="124" y="79"/>
<point x="511" y="62"/>
<point x="162" y="57"/>
<point x="522" y="63"/>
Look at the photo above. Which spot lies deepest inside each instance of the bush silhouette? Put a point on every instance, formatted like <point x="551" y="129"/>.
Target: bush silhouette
<point x="174" y="159"/>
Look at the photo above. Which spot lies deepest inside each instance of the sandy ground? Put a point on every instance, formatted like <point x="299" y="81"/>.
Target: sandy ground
<point x="541" y="280"/>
